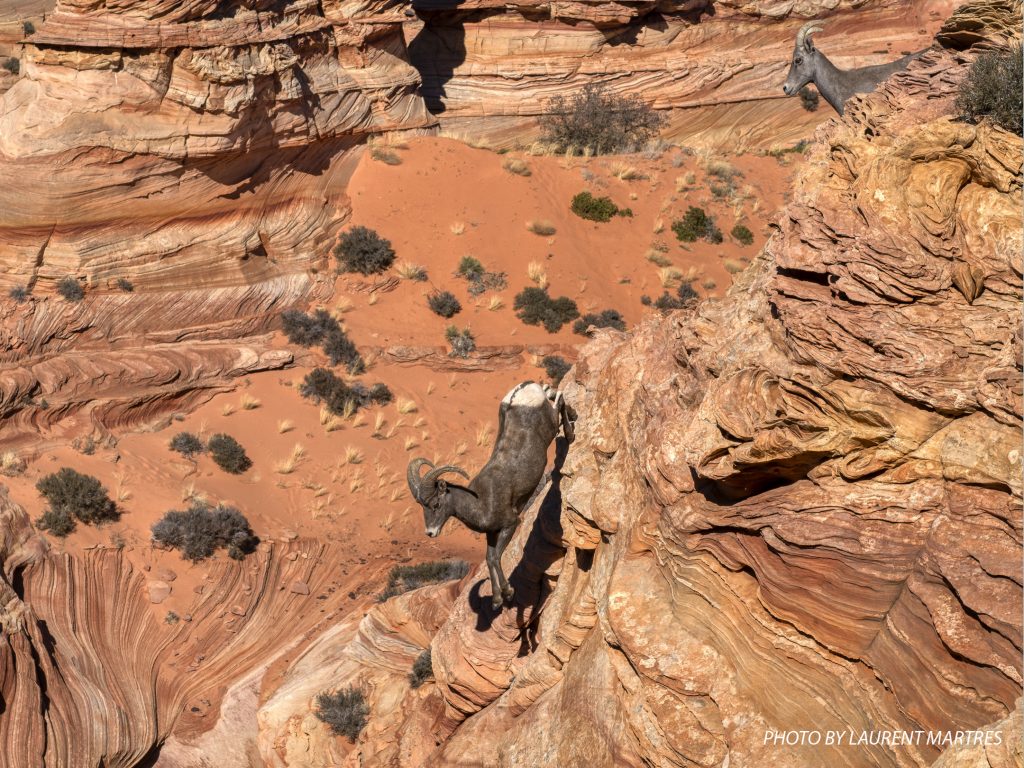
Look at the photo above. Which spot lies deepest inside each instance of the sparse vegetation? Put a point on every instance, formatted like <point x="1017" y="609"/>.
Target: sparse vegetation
<point x="125" y="284"/>
<point x="463" y="343"/>
<point x="444" y="303"/>
<point x="11" y="464"/>
<point x="686" y="294"/>
<point x="187" y="444"/>
<point x="345" y="712"/>
<point x="542" y="228"/>
<point x="71" y="289"/>
<point x="322" y="386"/>
<point x="597" y="122"/>
<point x="555" y="367"/>
<point x="470" y="268"/>
<point x="72" y="496"/>
<point x="609" y="318"/>
<point x="586" y="206"/>
<point x="404" y="578"/>
<point x="534" y="306"/>
<point x="724" y="177"/>
<point x="992" y="89"/>
<point x="409" y="271"/>
<point x="421" y="670"/>
<point x="696" y="225"/>
<point x="479" y="279"/>
<point x="28" y="28"/>
<point x="363" y="250"/>
<point x="385" y="155"/>
<point x="320" y="328"/>
<point x="201" y="530"/>
<point x="809" y="99"/>
<point x="12" y="65"/>
<point x="742" y="234"/>
<point x="228" y="454"/>
<point x="516" y="166"/>
<point x="19" y="293"/>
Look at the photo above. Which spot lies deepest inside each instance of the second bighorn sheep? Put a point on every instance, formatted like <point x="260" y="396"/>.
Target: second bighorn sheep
<point x="528" y="420"/>
<point x="836" y="85"/>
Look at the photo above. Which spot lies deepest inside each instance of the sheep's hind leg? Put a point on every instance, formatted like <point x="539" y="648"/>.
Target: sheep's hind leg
<point x="504" y="537"/>
<point x="494" y="569"/>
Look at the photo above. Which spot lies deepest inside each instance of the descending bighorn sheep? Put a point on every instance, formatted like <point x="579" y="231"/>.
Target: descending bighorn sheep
<point x="836" y="85"/>
<point x="528" y="420"/>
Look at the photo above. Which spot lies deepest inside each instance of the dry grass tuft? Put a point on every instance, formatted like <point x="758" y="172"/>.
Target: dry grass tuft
<point x="458" y="228"/>
<point x="285" y="425"/>
<point x="384" y="155"/>
<point x="657" y="257"/>
<point x="249" y="403"/>
<point x="516" y="166"/>
<point x="288" y="465"/>
<point x="353" y="455"/>
<point x="732" y="266"/>
<point x="406" y="406"/>
<point x="409" y="271"/>
<point x="483" y="434"/>
<point x="536" y="273"/>
<point x="669" y="277"/>
<point x="11" y="464"/>
<point x="542" y="228"/>
<point x="624" y="172"/>
<point x="495" y="304"/>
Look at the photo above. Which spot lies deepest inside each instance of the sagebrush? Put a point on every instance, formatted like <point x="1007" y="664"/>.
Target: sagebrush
<point x="201" y="530"/>
<point x="597" y="121"/>
<point x="992" y="89"/>
<point x="404" y="578"/>
<point x="344" y="711"/>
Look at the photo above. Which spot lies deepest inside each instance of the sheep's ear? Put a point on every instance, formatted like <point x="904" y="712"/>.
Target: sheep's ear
<point x="809" y="44"/>
<point x="442" y="486"/>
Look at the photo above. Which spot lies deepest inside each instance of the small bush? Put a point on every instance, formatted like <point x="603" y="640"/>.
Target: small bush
<point x="13" y="66"/>
<point x="421" y="670"/>
<point x="687" y="293"/>
<point x="555" y="367"/>
<point x="463" y="343"/>
<point x="444" y="303"/>
<point x="322" y="386"/>
<point x="228" y="454"/>
<point x="339" y="349"/>
<point x="386" y="156"/>
<point x="610" y="318"/>
<point x="363" y="250"/>
<point x="71" y="289"/>
<point x="535" y="307"/>
<point x="542" y="228"/>
<point x="586" y="206"/>
<point x="345" y="712"/>
<point x="201" y="530"/>
<point x="685" y="296"/>
<point x="70" y="493"/>
<point x="125" y="284"/>
<point x="695" y="225"/>
<point x="599" y="122"/>
<point x="19" y="293"/>
<point x="470" y="268"/>
<point x="307" y="330"/>
<point x="742" y="234"/>
<point x="58" y="522"/>
<point x="28" y="28"/>
<point x="404" y="578"/>
<point x="516" y="166"/>
<point x="809" y="99"/>
<point x="992" y="89"/>
<point x="187" y="444"/>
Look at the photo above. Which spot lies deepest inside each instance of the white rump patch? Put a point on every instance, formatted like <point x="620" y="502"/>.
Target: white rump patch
<point x="526" y="394"/>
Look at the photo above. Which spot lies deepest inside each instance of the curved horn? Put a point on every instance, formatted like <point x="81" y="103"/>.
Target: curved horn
<point x="807" y="30"/>
<point x="433" y="474"/>
<point x="412" y="476"/>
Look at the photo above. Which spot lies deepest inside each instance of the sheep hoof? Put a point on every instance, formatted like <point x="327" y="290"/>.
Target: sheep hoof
<point x="497" y="602"/>
<point x="508" y="593"/>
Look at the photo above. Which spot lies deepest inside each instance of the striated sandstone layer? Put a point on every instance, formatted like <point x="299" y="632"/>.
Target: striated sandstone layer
<point x="797" y="508"/>
<point x="715" y="68"/>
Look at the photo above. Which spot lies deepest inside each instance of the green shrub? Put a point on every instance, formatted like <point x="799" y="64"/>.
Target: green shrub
<point x="742" y="234"/>
<point x="695" y="225"/>
<point x="686" y="293"/>
<point x="201" y="530"/>
<point x="556" y="367"/>
<point x="70" y="493"/>
<point x="421" y="670"/>
<point x="339" y="348"/>
<point x="58" y="522"/>
<point x="809" y="99"/>
<point x="345" y="712"/>
<point x="322" y="386"/>
<point x="609" y="318"/>
<point x="187" y="444"/>
<point x="71" y="289"/>
<point x="599" y="122"/>
<point x="19" y="293"/>
<point x="992" y="89"/>
<point x="463" y="343"/>
<point x="228" y="454"/>
<point x="470" y="268"/>
<point x="404" y="578"/>
<point x="28" y="28"/>
<point x="320" y="328"/>
<point x="13" y="66"/>
<point x="125" y="284"/>
<point x="363" y="250"/>
<point x="444" y="303"/>
<point x="535" y="307"/>
<point x="586" y="206"/>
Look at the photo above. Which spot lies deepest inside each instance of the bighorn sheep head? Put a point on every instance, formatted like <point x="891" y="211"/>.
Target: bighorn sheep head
<point x="802" y="68"/>
<point x="431" y="492"/>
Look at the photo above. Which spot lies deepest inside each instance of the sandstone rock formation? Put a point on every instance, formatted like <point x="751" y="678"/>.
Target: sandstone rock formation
<point x="798" y="508"/>
<point x="717" y="67"/>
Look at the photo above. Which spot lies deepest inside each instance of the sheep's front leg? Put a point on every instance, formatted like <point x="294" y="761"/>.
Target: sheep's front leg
<point x="494" y="568"/>
<point x="503" y="538"/>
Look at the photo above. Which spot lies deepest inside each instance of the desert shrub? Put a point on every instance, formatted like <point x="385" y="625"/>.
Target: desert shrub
<point x="187" y="444"/>
<point x="19" y="293"/>
<point x="58" y="522"/>
<point x="542" y="228"/>
<point x="742" y="234"/>
<point x="470" y="268"/>
<point x="228" y="454"/>
<point x="125" y="284"/>
<point x="421" y="670"/>
<point x="598" y="122"/>
<point x="71" y="494"/>
<point x="809" y="99"/>
<point x="363" y="250"/>
<point x="339" y="349"/>
<point x="555" y="367"/>
<point x="992" y="89"/>
<point x="28" y="28"/>
<point x="462" y="342"/>
<point x="444" y="303"/>
<point x="344" y="711"/>
<point x="13" y="66"/>
<point x="516" y="166"/>
<point x="535" y="307"/>
<point x="586" y="206"/>
<point x="686" y="293"/>
<point x="695" y="225"/>
<point x="404" y="578"/>
<point x="386" y="156"/>
<point x="322" y="386"/>
<point x="307" y="330"/>
<point x="71" y="289"/>
<point x="201" y="530"/>
<point x="609" y="318"/>
<point x="378" y="394"/>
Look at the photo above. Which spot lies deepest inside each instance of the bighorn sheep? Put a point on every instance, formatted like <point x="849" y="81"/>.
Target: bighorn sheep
<point x="836" y="85"/>
<point x="528" y="420"/>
